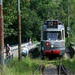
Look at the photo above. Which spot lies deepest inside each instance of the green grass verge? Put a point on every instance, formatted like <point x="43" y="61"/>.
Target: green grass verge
<point x="28" y="66"/>
<point x="70" y="64"/>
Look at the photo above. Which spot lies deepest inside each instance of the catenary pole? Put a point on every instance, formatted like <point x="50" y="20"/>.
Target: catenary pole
<point x="68" y="21"/>
<point x="68" y="28"/>
<point x="1" y="39"/>
<point x="19" y="30"/>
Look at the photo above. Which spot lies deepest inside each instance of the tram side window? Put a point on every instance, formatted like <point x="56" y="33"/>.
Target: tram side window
<point x="62" y="34"/>
<point x="44" y="35"/>
<point x="59" y="35"/>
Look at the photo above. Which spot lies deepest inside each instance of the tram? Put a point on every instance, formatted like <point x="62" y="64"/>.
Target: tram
<point x="52" y="38"/>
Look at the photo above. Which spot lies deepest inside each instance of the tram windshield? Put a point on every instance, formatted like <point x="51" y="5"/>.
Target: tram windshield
<point x="52" y="35"/>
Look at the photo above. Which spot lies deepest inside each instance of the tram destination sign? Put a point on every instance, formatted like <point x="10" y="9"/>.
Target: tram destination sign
<point x="52" y="24"/>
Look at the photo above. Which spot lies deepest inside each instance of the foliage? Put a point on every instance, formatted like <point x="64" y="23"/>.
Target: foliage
<point x="29" y="66"/>
<point x="9" y="17"/>
<point x="69" y="64"/>
<point x="25" y="67"/>
<point x="67" y="42"/>
<point x="33" y="12"/>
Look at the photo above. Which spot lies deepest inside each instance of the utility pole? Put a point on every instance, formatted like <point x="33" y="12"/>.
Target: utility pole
<point x="1" y="39"/>
<point x="19" y="30"/>
<point x="68" y="28"/>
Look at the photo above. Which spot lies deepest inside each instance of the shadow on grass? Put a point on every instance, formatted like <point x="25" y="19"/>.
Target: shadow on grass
<point x="34" y="53"/>
<point x="71" y="49"/>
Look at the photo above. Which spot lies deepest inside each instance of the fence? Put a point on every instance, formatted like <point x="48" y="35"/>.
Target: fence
<point x="8" y="59"/>
<point x="15" y="51"/>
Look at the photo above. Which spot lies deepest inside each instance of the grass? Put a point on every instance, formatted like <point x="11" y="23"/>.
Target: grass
<point x="70" y="64"/>
<point x="28" y="66"/>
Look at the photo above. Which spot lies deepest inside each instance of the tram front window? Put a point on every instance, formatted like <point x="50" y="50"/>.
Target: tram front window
<point x="52" y="35"/>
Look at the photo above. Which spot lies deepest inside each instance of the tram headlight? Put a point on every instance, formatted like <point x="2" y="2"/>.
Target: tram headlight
<point x="52" y="46"/>
<point x="47" y="43"/>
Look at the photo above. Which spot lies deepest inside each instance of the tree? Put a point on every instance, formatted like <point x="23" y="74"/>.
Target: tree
<point x="33" y="12"/>
<point x="10" y="14"/>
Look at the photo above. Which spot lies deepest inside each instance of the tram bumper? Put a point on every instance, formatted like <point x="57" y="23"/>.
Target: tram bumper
<point x="56" y="52"/>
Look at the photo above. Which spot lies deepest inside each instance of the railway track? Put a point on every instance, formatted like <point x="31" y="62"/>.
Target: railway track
<point x="55" y="70"/>
<point x="58" y="70"/>
<point x="52" y="69"/>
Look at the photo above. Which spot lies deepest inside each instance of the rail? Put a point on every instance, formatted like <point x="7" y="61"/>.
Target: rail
<point x="49" y="70"/>
<point x="62" y="69"/>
